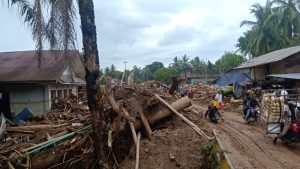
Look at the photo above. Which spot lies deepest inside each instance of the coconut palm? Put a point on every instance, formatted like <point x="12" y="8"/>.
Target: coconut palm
<point x="53" y="20"/>
<point x="198" y="65"/>
<point x="289" y="17"/>
<point x="261" y="28"/>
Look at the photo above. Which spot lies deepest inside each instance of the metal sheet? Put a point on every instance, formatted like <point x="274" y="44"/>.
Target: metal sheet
<point x="270" y="57"/>
<point x="286" y="76"/>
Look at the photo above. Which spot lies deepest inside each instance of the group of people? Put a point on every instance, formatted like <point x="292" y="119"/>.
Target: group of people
<point x="185" y="91"/>
<point x="215" y="105"/>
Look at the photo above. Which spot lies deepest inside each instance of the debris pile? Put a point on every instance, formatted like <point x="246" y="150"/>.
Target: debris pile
<point x="62" y="138"/>
<point x="204" y="94"/>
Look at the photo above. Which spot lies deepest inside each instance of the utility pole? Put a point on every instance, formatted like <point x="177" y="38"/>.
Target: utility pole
<point x="123" y="76"/>
<point x="206" y="71"/>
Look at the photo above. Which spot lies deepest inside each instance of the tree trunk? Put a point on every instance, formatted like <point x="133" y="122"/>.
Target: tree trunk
<point x="91" y="60"/>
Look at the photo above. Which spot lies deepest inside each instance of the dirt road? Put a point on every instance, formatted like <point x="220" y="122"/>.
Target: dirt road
<point x="250" y="147"/>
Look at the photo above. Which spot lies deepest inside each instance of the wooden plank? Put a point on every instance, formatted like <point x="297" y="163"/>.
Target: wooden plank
<point x="225" y="163"/>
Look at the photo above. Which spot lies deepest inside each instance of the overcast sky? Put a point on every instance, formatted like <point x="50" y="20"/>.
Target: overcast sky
<point x="143" y="31"/>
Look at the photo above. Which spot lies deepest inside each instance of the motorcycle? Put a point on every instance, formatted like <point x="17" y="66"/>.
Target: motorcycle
<point x="253" y="116"/>
<point x="213" y="115"/>
<point x="292" y="135"/>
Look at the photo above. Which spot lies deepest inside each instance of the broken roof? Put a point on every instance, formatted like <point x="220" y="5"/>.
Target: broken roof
<point x="21" y="66"/>
<point x="270" y="57"/>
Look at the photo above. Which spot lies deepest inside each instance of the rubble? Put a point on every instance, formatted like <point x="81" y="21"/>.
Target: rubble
<point x="62" y="138"/>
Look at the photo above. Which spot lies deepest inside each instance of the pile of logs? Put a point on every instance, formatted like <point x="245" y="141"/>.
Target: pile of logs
<point x="203" y="93"/>
<point x="62" y="137"/>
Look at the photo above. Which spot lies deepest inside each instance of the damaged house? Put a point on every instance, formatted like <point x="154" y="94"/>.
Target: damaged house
<point x="282" y="66"/>
<point x="24" y="85"/>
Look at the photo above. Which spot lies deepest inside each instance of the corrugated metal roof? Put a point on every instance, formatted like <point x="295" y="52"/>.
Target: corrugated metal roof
<point x="270" y="57"/>
<point x="22" y="66"/>
<point x="287" y="76"/>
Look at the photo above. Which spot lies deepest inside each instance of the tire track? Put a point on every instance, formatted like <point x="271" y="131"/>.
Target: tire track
<point x="250" y="139"/>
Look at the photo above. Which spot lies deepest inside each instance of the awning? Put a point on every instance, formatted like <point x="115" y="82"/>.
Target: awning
<point x="286" y="76"/>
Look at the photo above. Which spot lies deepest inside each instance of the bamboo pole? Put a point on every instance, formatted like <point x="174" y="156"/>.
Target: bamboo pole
<point x="191" y="124"/>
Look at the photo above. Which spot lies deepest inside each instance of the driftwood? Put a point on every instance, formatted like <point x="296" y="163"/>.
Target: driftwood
<point x="116" y="107"/>
<point x="138" y="151"/>
<point x="146" y="124"/>
<point x="36" y="127"/>
<point x="191" y="124"/>
<point x="174" y="85"/>
<point x="131" y="128"/>
<point x="164" y="112"/>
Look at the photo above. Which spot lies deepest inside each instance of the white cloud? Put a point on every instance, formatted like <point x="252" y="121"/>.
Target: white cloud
<point x="143" y="31"/>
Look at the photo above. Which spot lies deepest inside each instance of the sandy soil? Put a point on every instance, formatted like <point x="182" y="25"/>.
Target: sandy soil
<point x="176" y="139"/>
<point x="250" y="147"/>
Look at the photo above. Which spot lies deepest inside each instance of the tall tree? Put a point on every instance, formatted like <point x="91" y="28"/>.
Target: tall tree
<point x="228" y="61"/>
<point x="198" y="66"/>
<point x="185" y="64"/>
<point x="60" y="32"/>
<point x="289" y="17"/>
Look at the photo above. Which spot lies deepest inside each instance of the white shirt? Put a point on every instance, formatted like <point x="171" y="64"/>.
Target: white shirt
<point x="219" y="96"/>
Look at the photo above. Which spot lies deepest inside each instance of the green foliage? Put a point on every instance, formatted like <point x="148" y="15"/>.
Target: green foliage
<point x="228" y="61"/>
<point x="277" y="26"/>
<point x="165" y="74"/>
<point x="211" y="160"/>
<point x="150" y="69"/>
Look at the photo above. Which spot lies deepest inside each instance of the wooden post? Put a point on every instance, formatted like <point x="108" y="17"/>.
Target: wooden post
<point x="191" y="124"/>
<point x="138" y="151"/>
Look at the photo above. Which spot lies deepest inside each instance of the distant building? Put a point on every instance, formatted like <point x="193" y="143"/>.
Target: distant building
<point x="24" y="85"/>
<point x="283" y="65"/>
<point x="195" y="78"/>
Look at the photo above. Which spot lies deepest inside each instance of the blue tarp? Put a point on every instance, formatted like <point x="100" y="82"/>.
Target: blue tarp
<point x="232" y="77"/>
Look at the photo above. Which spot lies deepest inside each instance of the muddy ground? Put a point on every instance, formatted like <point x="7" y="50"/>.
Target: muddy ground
<point x="248" y="145"/>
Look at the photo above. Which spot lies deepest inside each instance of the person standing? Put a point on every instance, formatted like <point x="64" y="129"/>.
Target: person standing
<point x="219" y="96"/>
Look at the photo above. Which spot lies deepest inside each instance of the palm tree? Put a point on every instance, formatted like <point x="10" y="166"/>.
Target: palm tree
<point x="289" y="17"/>
<point x="60" y="32"/>
<point x="262" y="28"/>
<point x="198" y="65"/>
<point x="185" y="65"/>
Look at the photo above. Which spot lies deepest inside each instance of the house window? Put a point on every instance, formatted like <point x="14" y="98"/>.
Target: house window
<point x="66" y="93"/>
<point x="59" y="93"/>
<point x="53" y="94"/>
<point x="70" y="92"/>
